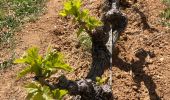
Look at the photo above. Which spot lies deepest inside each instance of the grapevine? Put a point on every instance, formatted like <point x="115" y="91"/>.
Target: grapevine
<point x="42" y="68"/>
<point x="103" y="35"/>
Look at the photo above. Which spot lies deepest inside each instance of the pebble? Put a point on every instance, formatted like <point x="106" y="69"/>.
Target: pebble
<point x="135" y="88"/>
<point x="161" y="59"/>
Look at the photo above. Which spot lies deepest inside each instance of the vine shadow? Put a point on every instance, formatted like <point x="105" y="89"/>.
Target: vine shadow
<point x="144" y="21"/>
<point x="139" y="75"/>
<point x="145" y="26"/>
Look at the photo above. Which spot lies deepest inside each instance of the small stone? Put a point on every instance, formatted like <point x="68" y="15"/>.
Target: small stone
<point x="135" y="87"/>
<point x="161" y="59"/>
<point x="57" y="47"/>
<point x="151" y="61"/>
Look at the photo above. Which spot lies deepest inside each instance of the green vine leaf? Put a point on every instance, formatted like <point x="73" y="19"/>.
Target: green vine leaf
<point x="58" y="94"/>
<point x="38" y="92"/>
<point x="24" y="72"/>
<point x="83" y="18"/>
<point x="101" y="81"/>
<point x="42" y="66"/>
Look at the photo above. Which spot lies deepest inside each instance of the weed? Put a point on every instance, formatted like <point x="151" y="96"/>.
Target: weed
<point x="166" y="1"/>
<point x="166" y="13"/>
<point x="85" y="41"/>
<point x="7" y="63"/>
<point x="13" y="13"/>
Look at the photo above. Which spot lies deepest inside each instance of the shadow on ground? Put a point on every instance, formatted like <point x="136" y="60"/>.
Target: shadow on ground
<point x="139" y="75"/>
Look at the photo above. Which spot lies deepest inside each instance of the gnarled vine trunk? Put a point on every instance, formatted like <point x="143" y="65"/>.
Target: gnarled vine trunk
<point x="103" y="40"/>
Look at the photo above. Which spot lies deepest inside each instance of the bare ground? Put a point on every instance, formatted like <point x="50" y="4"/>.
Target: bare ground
<point x="135" y="77"/>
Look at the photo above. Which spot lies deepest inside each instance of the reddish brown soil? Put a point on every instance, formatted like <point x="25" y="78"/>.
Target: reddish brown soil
<point x="149" y="76"/>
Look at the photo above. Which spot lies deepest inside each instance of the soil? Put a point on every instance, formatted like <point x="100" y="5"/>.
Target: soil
<point x="144" y="46"/>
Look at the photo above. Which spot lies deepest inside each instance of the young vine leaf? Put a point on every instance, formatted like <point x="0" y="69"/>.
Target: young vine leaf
<point x="38" y="92"/>
<point x="42" y="66"/>
<point x="82" y="17"/>
<point x="101" y="81"/>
